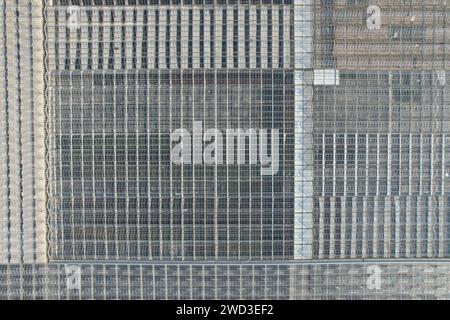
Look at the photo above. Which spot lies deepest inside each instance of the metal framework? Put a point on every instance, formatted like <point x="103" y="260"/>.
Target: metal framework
<point x="92" y="90"/>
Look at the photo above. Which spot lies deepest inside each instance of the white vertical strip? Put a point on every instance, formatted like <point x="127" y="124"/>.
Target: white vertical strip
<point x="139" y="38"/>
<point x="229" y="35"/>
<point x="207" y="38"/>
<point x="84" y="40"/>
<point x="253" y="37"/>
<point x="442" y="225"/>
<point x="162" y="37"/>
<point x="321" y="226"/>
<point x="27" y="99"/>
<point x="184" y="36"/>
<point x="303" y="167"/>
<point x="354" y="201"/>
<point x="287" y="36"/>
<point x="334" y="164"/>
<point x="264" y="27"/>
<point x="59" y="34"/>
<point x="419" y="226"/>
<point x="129" y="37"/>
<point x="117" y="46"/>
<point x="344" y="199"/>
<point x="432" y="205"/>
<point x="397" y="206"/>
<point x="95" y="39"/>
<point x="430" y="225"/>
<point x="408" y="204"/>
<point x="73" y="37"/>
<point x="22" y="191"/>
<point x="218" y="37"/>
<point x="275" y="37"/>
<point x="387" y="226"/>
<point x="332" y="221"/>
<point x="196" y="38"/>
<point x="365" y="227"/>
<point x="343" y="225"/>
<point x="50" y="38"/>
<point x="14" y="139"/>
<point x="4" y="208"/>
<point x="388" y="207"/>
<point x="304" y="159"/>
<point x="26" y="31"/>
<point x="422" y="224"/>
<point x="376" y="222"/>
<point x="408" y="227"/>
<point x="106" y="38"/>
<point x="442" y="202"/>
<point x="151" y="36"/>
<point x="421" y="167"/>
<point x="354" y="224"/>
<point x="397" y="200"/>
<point x="376" y="236"/>
<point x="173" y="38"/>
<point x="241" y="38"/>
<point x="332" y="226"/>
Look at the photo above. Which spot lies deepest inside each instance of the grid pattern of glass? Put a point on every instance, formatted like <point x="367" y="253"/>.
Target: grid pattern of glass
<point x="347" y="280"/>
<point x="381" y="129"/>
<point x="114" y="191"/>
<point x="141" y="36"/>
<point x="22" y="133"/>
<point x="358" y="90"/>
